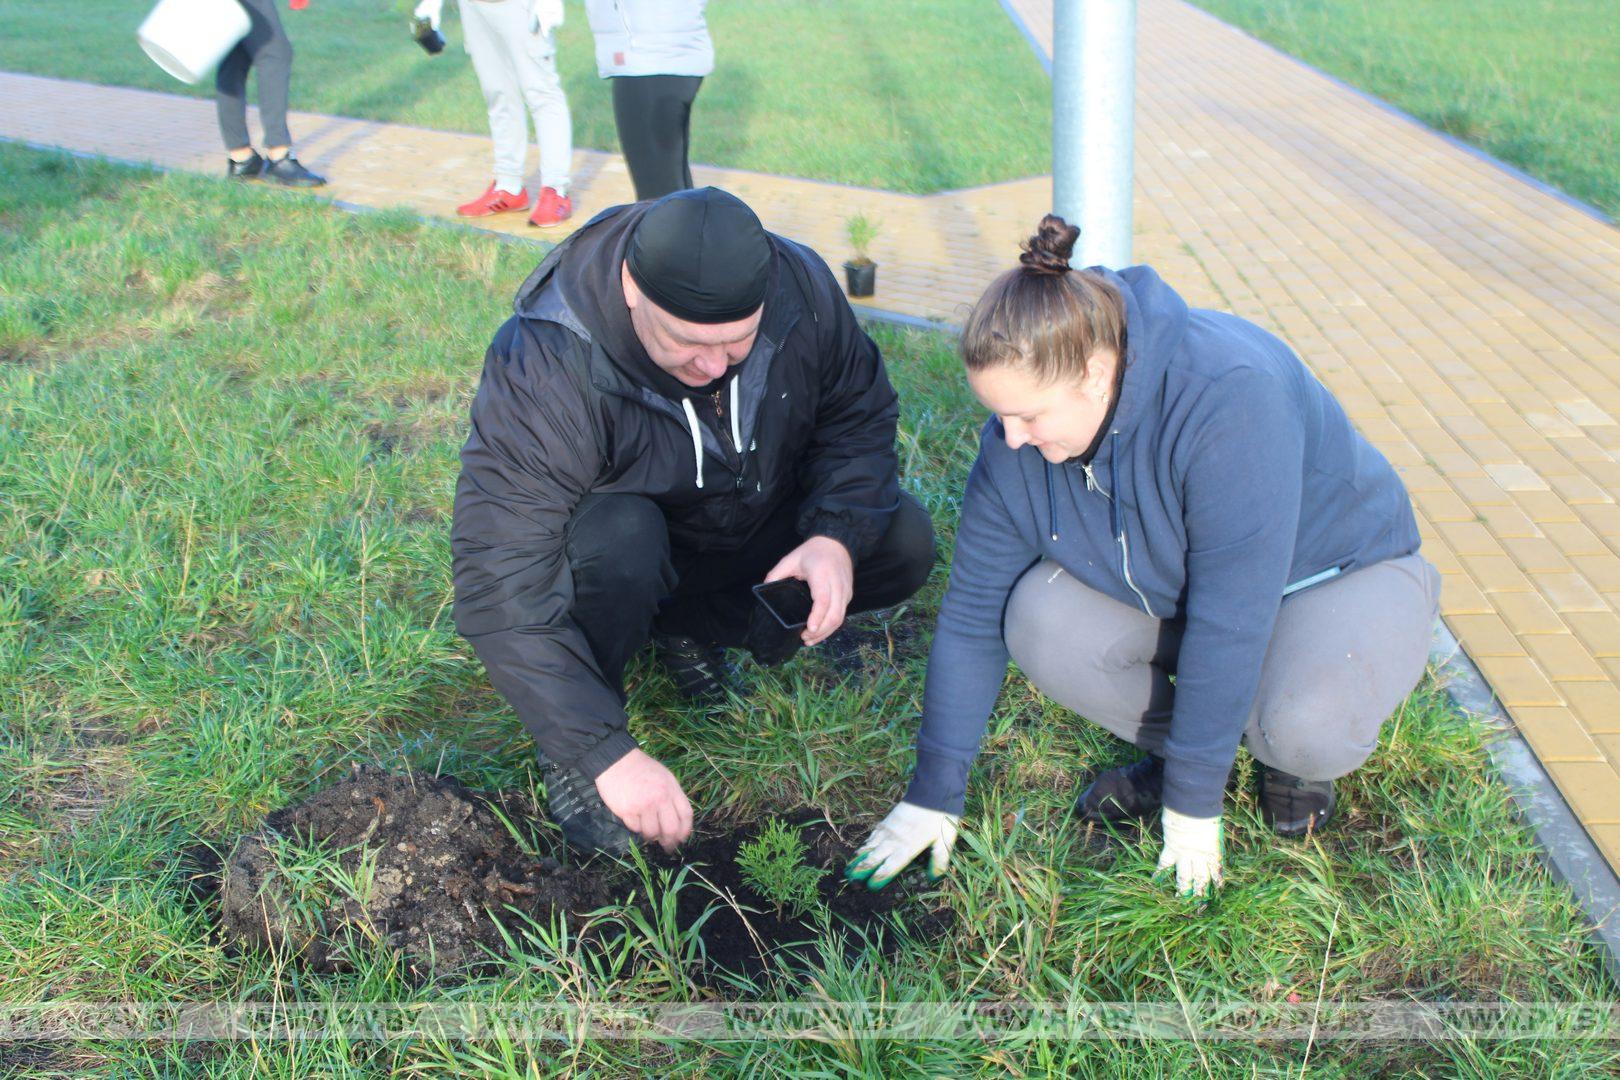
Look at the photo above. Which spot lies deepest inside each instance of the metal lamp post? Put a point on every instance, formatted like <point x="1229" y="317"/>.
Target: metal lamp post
<point x="1093" y="124"/>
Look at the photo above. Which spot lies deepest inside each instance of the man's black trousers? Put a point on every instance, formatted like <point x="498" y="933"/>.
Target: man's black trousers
<point x="628" y="581"/>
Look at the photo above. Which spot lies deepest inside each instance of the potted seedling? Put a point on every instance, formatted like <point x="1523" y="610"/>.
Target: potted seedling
<point x="773" y="865"/>
<point x="860" y="272"/>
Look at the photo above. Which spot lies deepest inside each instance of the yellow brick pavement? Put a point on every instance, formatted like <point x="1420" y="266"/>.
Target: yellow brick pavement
<point x="1467" y="320"/>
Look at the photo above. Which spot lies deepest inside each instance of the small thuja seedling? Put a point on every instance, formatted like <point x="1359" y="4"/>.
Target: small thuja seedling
<point x="861" y="231"/>
<point x="773" y="865"/>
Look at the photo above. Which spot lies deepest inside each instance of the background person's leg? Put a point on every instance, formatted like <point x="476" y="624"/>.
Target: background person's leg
<point x="230" y="80"/>
<point x="652" y="113"/>
<point x="689" y="93"/>
<point x="484" y="28"/>
<point x="1343" y="657"/>
<point x="272" y="54"/>
<point x="1107" y="661"/>
<point x="536" y="65"/>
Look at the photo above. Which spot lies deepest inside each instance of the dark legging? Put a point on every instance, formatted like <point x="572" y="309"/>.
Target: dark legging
<point x="267" y="48"/>
<point x="654" y="115"/>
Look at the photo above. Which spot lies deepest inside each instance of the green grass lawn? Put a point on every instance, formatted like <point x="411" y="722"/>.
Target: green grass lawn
<point x="228" y="435"/>
<point x="1536" y="84"/>
<point x="906" y="95"/>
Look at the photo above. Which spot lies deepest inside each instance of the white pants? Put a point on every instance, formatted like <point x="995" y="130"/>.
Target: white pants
<point x="518" y="68"/>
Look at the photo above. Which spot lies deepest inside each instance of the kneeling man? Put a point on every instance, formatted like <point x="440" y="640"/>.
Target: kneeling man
<point x="683" y="407"/>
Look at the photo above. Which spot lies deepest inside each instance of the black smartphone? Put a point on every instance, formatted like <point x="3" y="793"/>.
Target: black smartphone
<point x="788" y="601"/>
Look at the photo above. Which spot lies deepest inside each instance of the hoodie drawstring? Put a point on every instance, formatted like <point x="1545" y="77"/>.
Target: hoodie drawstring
<point x="736" y="420"/>
<point x="1051" y="501"/>
<point x="697" y="438"/>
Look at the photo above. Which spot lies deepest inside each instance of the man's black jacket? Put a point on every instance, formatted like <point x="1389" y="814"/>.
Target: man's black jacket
<point x="570" y="404"/>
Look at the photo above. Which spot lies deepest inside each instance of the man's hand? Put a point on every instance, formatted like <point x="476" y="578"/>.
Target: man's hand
<point x="545" y="16"/>
<point x="907" y="832"/>
<point x="647" y="798"/>
<point x="431" y="10"/>
<point x="1193" y="847"/>
<point x="823" y="564"/>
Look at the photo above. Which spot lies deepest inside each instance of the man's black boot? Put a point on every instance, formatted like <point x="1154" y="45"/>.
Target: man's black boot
<point x="575" y="805"/>
<point x="698" y="671"/>
<point x="1126" y="795"/>
<point x="1294" y="806"/>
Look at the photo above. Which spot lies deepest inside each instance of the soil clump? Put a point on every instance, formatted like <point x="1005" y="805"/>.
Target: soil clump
<point x="426" y="866"/>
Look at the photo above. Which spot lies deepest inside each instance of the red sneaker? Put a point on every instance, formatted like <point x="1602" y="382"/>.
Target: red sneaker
<point x="551" y="208"/>
<point x="493" y="201"/>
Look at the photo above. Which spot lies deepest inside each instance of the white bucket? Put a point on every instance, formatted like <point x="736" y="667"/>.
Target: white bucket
<point x="188" y="38"/>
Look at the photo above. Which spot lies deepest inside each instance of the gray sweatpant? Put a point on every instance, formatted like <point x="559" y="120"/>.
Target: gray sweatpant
<point x="516" y="68"/>
<point x="266" y="48"/>
<point x="1342" y="657"/>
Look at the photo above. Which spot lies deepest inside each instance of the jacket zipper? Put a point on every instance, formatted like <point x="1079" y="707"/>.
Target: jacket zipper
<point x="1124" y="548"/>
<point x="719" y="398"/>
<point x="1091" y="483"/>
<point x="724" y="435"/>
<point x="1125" y="565"/>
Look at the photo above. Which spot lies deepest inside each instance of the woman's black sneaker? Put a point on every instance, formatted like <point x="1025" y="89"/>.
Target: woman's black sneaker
<point x="289" y="172"/>
<point x="1126" y="795"/>
<point x="251" y="169"/>
<point x="573" y="802"/>
<point x="1294" y="806"/>
<point x="698" y="671"/>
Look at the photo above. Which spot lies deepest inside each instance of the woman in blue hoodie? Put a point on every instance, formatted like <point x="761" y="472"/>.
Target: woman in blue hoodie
<point x="1164" y="493"/>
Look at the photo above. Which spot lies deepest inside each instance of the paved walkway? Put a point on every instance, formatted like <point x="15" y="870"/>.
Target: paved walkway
<point x="1468" y="320"/>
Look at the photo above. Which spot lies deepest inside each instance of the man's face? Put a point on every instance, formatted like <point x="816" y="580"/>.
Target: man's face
<point x="694" y="353"/>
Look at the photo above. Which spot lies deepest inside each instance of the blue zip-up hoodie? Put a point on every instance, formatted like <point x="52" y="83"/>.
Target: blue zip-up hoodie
<point x="1228" y="476"/>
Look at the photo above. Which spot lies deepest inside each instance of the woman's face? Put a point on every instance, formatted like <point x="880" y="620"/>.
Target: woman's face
<point x="1059" y="419"/>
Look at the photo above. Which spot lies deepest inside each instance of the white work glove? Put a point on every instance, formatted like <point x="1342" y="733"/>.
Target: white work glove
<point x="545" y="16"/>
<point x="1193" y="846"/>
<point x="431" y="10"/>
<point x="907" y="832"/>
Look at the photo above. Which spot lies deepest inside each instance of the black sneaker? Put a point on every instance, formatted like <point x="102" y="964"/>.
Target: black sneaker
<point x="251" y="169"/>
<point x="1126" y="795"/>
<point x="288" y="172"/>
<point x="575" y="805"/>
<point x="698" y="671"/>
<point x="1294" y="806"/>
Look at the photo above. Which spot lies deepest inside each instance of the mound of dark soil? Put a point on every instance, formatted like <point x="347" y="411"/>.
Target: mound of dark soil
<point x="421" y="862"/>
<point x="425" y="865"/>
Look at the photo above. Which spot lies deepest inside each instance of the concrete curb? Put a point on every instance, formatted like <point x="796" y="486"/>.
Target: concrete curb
<point x="1029" y="36"/>
<point x="1566" y="848"/>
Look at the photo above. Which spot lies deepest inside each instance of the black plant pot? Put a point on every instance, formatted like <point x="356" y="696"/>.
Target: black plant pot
<point x="860" y="277"/>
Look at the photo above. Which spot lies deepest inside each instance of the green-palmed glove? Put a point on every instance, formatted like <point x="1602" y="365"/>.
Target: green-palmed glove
<point x="907" y="832"/>
<point x="1193" y="846"/>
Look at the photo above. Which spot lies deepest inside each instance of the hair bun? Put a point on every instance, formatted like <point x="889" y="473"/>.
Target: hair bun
<point x="1048" y="251"/>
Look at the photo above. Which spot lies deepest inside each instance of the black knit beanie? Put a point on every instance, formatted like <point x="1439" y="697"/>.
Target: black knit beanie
<point x="701" y="255"/>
